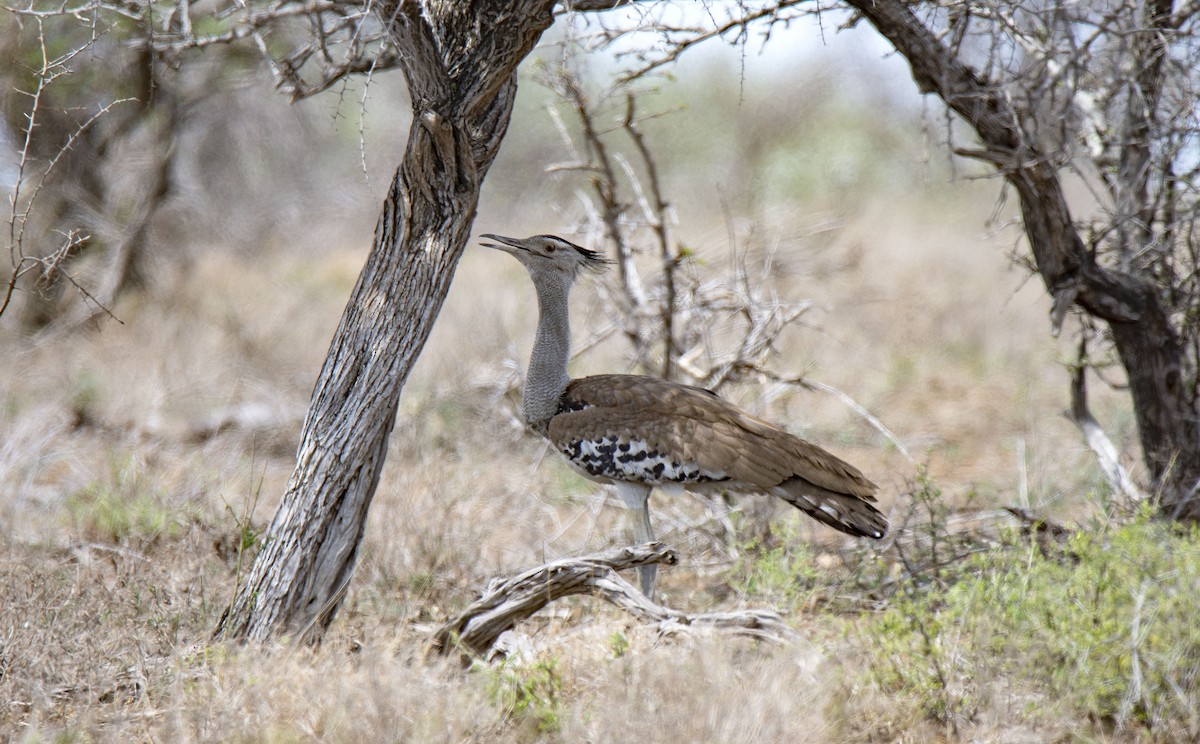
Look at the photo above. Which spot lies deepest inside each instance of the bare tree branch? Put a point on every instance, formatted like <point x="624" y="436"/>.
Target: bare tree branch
<point x="585" y="6"/>
<point x="656" y="215"/>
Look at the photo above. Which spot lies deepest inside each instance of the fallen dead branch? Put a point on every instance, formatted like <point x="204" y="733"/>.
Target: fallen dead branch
<point x="509" y="601"/>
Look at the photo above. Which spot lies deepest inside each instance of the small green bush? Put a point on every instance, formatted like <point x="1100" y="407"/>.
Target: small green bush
<point x="1105" y="625"/>
<point x="526" y="692"/>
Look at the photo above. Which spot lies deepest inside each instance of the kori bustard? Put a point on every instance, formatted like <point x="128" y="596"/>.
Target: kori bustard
<point x="638" y="433"/>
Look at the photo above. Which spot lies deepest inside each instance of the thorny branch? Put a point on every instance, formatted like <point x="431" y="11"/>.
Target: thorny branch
<point x="30" y="181"/>
<point x="316" y="44"/>
<point x="324" y="41"/>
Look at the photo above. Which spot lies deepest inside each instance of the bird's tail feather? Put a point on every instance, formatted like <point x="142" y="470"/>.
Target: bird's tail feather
<point x="843" y="512"/>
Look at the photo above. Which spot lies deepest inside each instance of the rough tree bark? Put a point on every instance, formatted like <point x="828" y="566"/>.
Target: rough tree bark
<point x="1148" y="345"/>
<point x="460" y="61"/>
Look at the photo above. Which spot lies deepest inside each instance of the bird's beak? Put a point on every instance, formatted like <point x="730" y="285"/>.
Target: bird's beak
<point x="509" y="245"/>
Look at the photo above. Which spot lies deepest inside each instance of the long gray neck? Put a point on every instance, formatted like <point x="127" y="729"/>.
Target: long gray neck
<point x="547" y="377"/>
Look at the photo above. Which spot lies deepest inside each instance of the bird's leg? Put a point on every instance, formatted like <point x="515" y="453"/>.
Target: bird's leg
<point x="637" y="497"/>
<point x="645" y="534"/>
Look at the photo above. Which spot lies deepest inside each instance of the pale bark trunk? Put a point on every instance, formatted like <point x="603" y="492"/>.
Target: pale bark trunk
<point x="1147" y="343"/>
<point x="460" y="60"/>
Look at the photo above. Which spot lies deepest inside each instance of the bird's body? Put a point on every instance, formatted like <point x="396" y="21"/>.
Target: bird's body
<point x="638" y="433"/>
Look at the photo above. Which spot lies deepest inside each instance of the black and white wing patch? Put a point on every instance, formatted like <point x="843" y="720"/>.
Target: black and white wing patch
<point x="632" y="460"/>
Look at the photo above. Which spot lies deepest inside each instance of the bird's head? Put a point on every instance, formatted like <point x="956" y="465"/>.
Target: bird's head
<point x="549" y="255"/>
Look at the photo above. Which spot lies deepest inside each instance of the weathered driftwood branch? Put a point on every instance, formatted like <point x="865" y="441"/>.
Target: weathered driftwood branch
<point x="510" y="601"/>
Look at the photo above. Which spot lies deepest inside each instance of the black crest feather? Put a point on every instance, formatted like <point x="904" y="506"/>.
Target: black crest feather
<point x="592" y="260"/>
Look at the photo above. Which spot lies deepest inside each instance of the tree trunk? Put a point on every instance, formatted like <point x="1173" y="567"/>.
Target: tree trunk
<point x="460" y="61"/>
<point x="1147" y="343"/>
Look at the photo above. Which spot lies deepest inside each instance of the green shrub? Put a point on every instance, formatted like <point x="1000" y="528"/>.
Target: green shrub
<point x="526" y="692"/>
<point x="1105" y="625"/>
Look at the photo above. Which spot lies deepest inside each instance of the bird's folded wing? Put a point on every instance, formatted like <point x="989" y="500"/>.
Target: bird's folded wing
<point x="692" y="425"/>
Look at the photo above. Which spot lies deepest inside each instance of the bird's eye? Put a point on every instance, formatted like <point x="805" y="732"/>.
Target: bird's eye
<point x="549" y="248"/>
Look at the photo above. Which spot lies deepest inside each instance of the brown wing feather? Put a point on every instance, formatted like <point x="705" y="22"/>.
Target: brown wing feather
<point x="696" y="425"/>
